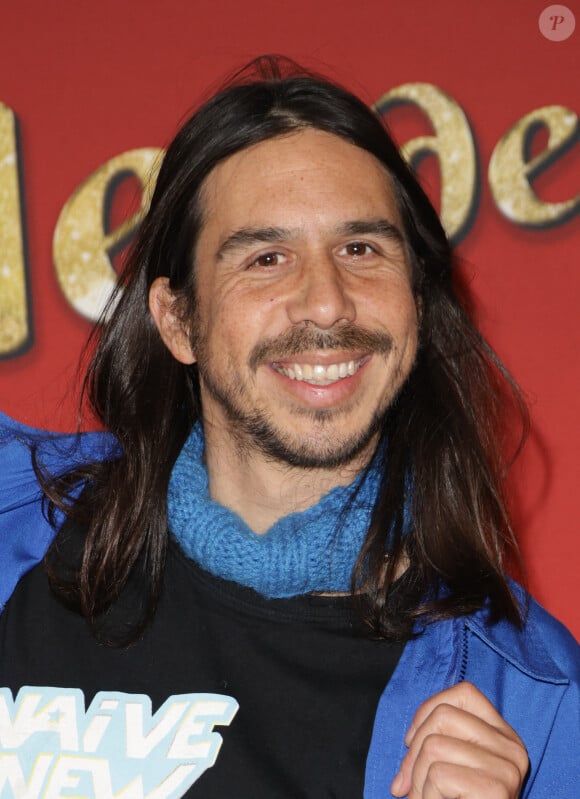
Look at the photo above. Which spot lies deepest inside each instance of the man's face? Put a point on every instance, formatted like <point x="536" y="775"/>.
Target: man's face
<point x="306" y="325"/>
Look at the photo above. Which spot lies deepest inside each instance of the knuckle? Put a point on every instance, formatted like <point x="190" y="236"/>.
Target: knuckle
<point x="494" y="785"/>
<point x="523" y="764"/>
<point x="468" y="690"/>
<point x="507" y="779"/>
<point x="518" y="757"/>
<point x="514" y="776"/>
<point x="433" y="745"/>
<point x="437" y="773"/>
<point x="442" y="715"/>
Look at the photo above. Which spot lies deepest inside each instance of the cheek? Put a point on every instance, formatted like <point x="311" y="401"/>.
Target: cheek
<point x="231" y="332"/>
<point x="396" y="311"/>
<point x="412" y="317"/>
<point x="402" y="321"/>
<point x="245" y="317"/>
<point x="412" y="331"/>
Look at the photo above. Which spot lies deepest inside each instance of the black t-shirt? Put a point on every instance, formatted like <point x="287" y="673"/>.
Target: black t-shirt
<point x="227" y="692"/>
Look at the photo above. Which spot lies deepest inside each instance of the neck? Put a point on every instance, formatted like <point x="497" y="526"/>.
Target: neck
<point x="262" y="491"/>
<point x="310" y="550"/>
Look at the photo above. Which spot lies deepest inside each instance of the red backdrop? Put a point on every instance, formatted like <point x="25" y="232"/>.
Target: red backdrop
<point x="86" y="83"/>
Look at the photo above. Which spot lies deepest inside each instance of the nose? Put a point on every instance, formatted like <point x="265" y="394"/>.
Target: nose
<point x="320" y="295"/>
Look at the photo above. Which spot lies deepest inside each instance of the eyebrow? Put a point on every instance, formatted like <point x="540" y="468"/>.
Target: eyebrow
<point x="246" y="237"/>
<point x="365" y="227"/>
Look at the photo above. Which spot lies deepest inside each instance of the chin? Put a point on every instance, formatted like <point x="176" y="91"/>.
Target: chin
<point x="325" y="449"/>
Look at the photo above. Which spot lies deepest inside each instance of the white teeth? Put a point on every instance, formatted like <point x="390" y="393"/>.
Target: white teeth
<point x="318" y="374"/>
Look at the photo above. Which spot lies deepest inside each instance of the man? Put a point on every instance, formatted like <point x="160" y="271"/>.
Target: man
<point x="297" y="395"/>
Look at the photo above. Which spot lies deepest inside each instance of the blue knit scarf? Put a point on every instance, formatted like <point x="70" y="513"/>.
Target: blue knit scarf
<point x="312" y="550"/>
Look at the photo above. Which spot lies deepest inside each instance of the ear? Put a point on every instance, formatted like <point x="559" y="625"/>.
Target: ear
<point x="171" y="328"/>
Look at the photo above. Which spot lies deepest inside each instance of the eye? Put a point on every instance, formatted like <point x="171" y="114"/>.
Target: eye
<point x="268" y="259"/>
<point x="356" y="249"/>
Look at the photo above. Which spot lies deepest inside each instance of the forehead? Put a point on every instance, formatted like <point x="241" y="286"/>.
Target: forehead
<point x="299" y="179"/>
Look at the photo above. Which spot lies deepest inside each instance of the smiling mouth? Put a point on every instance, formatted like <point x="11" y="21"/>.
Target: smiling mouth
<point x="317" y="374"/>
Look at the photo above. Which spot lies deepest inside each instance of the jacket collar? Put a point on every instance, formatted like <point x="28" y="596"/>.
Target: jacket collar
<point x="528" y="649"/>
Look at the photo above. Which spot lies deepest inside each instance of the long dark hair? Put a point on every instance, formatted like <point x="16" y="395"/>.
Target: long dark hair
<point x="444" y="454"/>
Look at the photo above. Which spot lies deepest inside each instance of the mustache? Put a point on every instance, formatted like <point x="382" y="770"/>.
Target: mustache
<point x="304" y="339"/>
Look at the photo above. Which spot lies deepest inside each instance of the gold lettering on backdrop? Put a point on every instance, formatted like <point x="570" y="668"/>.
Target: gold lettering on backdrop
<point x="14" y="328"/>
<point x="82" y="247"/>
<point x="511" y="173"/>
<point x="453" y="144"/>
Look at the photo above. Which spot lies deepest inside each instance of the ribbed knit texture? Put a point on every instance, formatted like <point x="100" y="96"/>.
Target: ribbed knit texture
<point x="313" y="550"/>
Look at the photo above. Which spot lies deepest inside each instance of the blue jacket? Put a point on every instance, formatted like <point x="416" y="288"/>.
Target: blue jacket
<point x="532" y="677"/>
